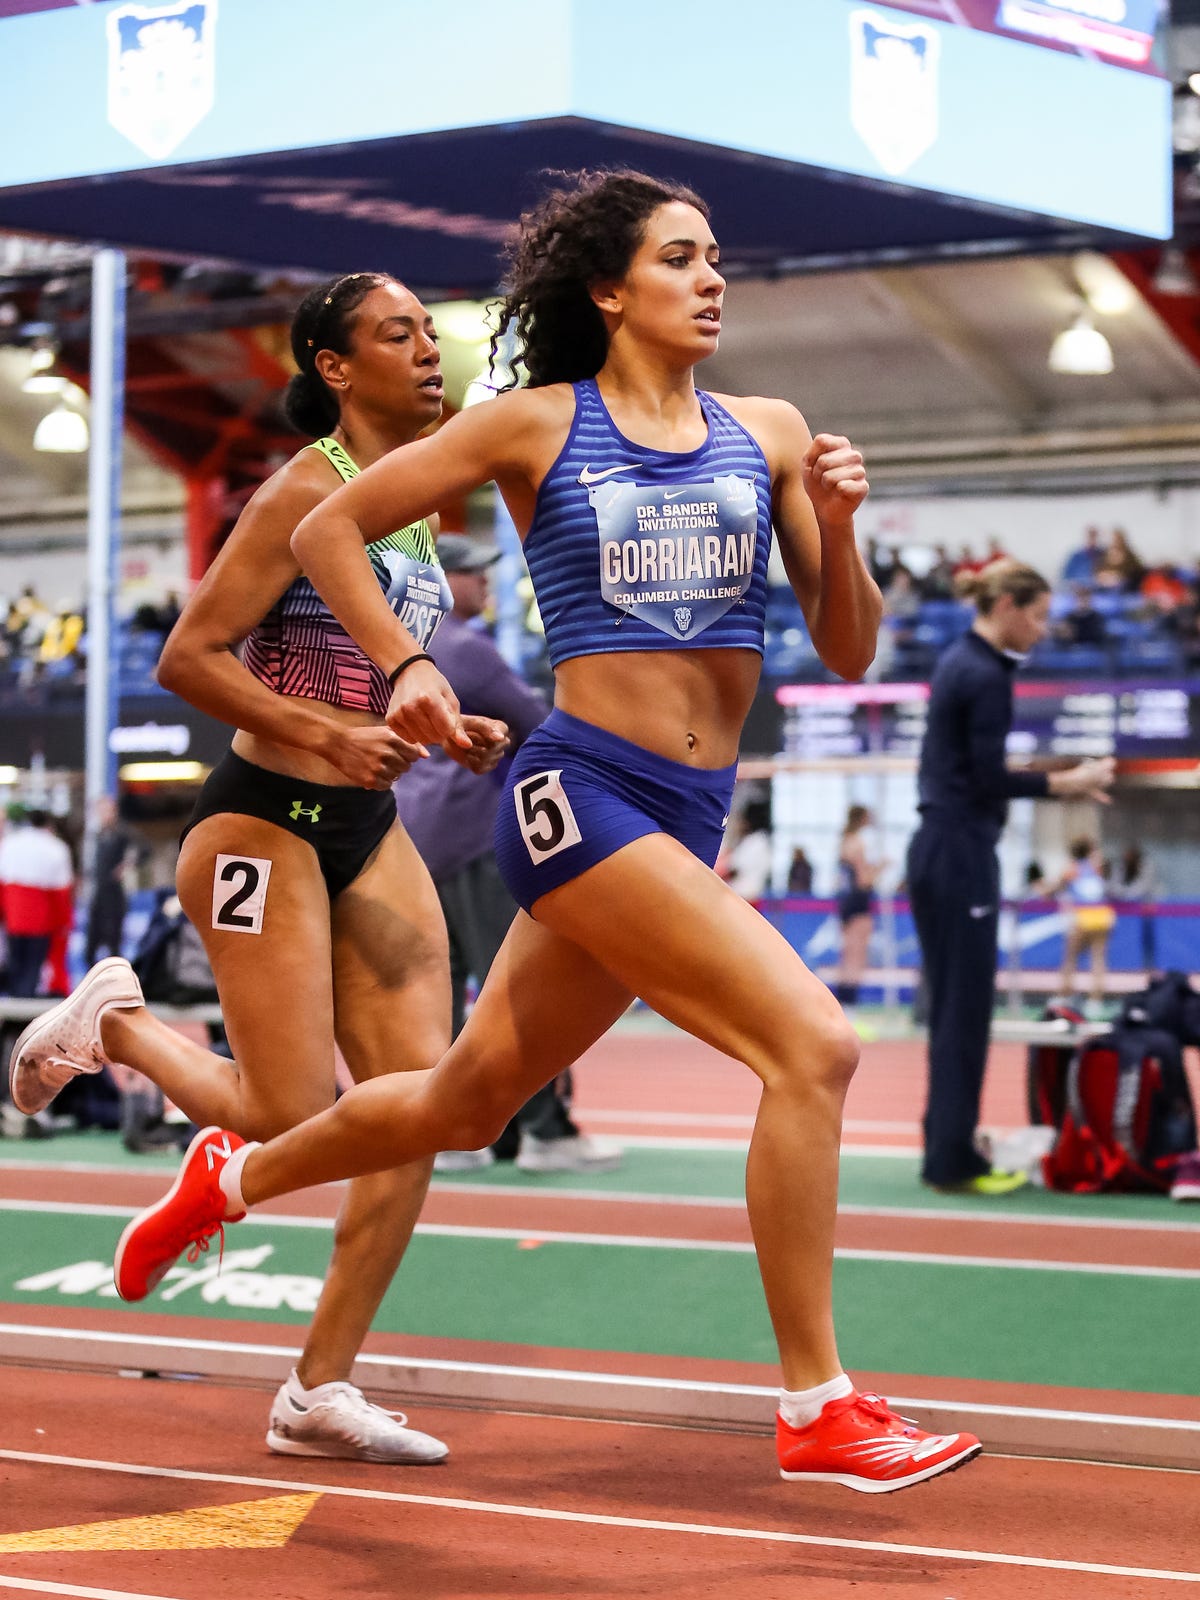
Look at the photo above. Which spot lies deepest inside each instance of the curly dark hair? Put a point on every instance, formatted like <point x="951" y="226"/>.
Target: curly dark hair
<point x="581" y="232"/>
<point x="324" y="320"/>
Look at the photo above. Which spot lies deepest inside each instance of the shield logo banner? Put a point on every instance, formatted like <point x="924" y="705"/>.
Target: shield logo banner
<point x="160" y="72"/>
<point x="893" y="88"/>
<point x="676" y="555"/>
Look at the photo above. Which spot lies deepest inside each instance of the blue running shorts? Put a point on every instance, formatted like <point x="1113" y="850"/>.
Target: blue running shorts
<point x="577" y="793"/>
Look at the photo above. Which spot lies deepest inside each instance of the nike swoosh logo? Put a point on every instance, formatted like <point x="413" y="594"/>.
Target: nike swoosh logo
<point x="587" y="477"/>
<point x="673" y="494"/>
<point x="981" y="911"/>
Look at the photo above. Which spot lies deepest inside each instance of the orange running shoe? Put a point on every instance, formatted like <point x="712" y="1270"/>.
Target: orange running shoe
<point x="192" y="1210"/>
<point x="861" y="1442"/>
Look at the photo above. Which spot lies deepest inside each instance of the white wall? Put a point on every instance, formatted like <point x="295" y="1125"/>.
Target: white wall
<point x="150" y="567"/>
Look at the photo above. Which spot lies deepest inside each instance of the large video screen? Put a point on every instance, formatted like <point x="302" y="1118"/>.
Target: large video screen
<point x="1123" y="32"/>
<point x="1025" y="105"/>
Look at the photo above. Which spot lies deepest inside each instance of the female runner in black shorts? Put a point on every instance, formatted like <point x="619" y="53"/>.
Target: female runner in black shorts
<point x="318" y="916"/>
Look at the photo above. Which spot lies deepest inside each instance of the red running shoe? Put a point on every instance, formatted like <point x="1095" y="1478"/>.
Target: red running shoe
<point x="192" y="1210"/>
<point x="861" y="1442"/>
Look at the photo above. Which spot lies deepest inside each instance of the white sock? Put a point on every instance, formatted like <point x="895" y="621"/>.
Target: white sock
<point x="302" y="1395"/>
<point x="230" y="1180"/>
<point x="799" y="1407"/>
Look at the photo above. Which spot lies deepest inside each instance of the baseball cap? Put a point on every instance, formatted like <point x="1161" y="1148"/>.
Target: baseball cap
<point x="457" y="553"/>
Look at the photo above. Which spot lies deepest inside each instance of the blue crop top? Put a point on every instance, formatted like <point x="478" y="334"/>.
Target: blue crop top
<point x="638" y="549"/>
<point x="300" y="648"/>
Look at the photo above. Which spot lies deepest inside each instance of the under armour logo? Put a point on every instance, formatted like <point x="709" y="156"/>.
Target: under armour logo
<point x="299" y="809"/>
<point x="213" y="1150"/>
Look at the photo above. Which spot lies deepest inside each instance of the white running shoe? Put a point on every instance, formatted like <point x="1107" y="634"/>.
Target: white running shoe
<point x="65" y="1040"/>
<point x="336" y="1419"/>
<point x="464" y="1160"/>
<point x="581" y="1152"/>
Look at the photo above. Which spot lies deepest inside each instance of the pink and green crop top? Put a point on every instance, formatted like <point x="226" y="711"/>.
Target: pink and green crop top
<point x="300" y="648"/>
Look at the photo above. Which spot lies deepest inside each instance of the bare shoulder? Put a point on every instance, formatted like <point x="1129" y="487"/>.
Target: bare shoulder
<point x="777" y="425"/>
<point x="274" y="511"/>
<point x="518" y="432"/>
<point x="294" y="488"/>
<point x="521" y="411"/>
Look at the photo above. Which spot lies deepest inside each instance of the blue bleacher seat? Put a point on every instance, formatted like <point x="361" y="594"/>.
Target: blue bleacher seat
<point x="1150" y="654"/>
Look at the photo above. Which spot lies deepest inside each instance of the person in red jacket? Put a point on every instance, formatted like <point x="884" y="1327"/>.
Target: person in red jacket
<point x="36" y="884"/>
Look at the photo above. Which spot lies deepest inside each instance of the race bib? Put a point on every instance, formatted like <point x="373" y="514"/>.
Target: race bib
<point x="416" y="592"/>
<point x="677" y="556"/>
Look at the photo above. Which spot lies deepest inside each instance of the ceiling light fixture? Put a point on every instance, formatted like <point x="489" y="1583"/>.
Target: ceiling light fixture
<point x="43" y="383"/>
<point x="1174" y="275"/>
<point x="1081" y="350"/>
<point x="1103" y="285"/>
<point x="61" y="432"/>
<point x="40" y="379"/>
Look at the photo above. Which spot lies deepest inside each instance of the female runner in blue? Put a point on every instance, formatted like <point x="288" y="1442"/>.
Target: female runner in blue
<point x="646" y="509"/>
<point x="318" y="916"/>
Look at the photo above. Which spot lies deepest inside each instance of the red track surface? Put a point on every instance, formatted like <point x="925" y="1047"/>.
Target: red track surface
<point x="446" y="1544"/>
<point x="477" y="1527"/>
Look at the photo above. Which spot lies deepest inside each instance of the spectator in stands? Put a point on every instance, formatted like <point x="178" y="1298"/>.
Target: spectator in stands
<point x="938" y="582"/>
<point x="1164" y="590"/>
<point x="995" y="551"/>
<point x="746" y="864"/>
<point x="1134" y="885"/>
<point x="1184" y="623"/>
<point x="800" y="873"/>
<point x="169" y="611"/>
<point x="968" y="562"/>
<point x="1080" y="566"/>
<point x="63" y="631"/>
<point x="1119" y="567"/>
<point x="146" y="618"/>
<point x="1083" y="624"/>
<point x="30" y="608"/>
<point x="880" y="561"/>
<point x="901" y="598"/>
<point x="35" y="895"/>
<point x="14" y="626"/>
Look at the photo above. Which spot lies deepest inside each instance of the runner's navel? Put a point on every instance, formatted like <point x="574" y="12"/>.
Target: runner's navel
<point x="691" y="741"/>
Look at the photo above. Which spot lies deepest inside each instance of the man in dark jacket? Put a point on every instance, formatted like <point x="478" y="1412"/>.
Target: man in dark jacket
<point x="449" y="814"/>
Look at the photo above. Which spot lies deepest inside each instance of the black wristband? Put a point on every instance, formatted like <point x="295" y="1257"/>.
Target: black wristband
<point x="407" y="662"/>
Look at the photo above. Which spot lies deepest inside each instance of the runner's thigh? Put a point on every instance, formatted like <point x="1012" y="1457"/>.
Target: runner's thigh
<point x="257" y="898"/>
<point x="666" y="926"/>
<point x="544" y="1002"/>
<point x="391" y="964"/>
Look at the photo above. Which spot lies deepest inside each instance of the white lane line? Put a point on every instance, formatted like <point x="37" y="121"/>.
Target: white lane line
<point x="733" y="1119"/>
<point x="654" y="1141"/>
<point x="81" y="1591"/>
<point x="643" y="1197"/>
<point x="177" y="1343"/>
<point x="636" y="1241"/>
<point x="600" y="1520"/>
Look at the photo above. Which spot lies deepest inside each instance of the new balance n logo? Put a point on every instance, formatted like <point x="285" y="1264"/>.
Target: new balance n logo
<point x="299" y="809"/>
<point x="215" y="1149"/>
